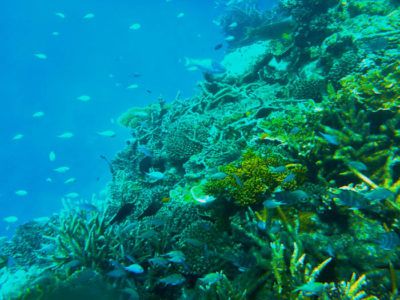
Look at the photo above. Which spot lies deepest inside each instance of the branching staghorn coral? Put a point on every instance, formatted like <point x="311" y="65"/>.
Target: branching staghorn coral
<point x="364" y="120"/>
<point x="352" y="290"/>
<point x="86" y="239"/>
<point x="297" y="276"/>
<point x="222" y="289"/>
<point x="283" y="267"/>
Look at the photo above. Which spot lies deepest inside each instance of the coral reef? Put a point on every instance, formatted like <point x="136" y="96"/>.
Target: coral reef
<point x="280" y="179"/>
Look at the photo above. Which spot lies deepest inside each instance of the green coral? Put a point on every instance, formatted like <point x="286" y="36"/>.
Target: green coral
<point x="294" y="125"/>
<point x="86" y="239"/>
<point x="250" y="178"/>
<point x="134" y="116"/>
<point x="363" y="115"/>
<point x="184" y="139"/>
<point x="369" y="7"/>
<point x="377" y="89"/>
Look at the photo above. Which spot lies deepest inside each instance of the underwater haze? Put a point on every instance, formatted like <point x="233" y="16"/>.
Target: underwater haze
<point x="98" y="56"/>
<point x="200" y="150"/>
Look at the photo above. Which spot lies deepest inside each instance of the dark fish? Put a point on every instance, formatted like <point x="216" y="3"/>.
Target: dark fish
<point x="292" y="197"/>
<point x="152" y="209"/>
<point x="218" y="46"/>
<point x="148" y="91"/>
<point x="136" y="75"/>
<point x="116" y="264"/>
<point x="174" y="279"/>
<point x="110" y="166"/>
<point x="379" y="194"/>
<point x="194" y="242"/>
<point x="331" y="139"/>
<point x="158" y="261"/>
<point x="117" y="273"/>
<point x="389" y="240"/>
<point x="175" y="256"/>
<point x="279" y="169"/>
<point x="124" y="211"/>
<point x="358" y="165"/>
<point x="351" y="199"/>
<point x="73" y="264"/>
<point x="271" y="203"/>
<point x="218" y="176"/>
<point x="130" y="258"/>
<point x="132" y="293"/>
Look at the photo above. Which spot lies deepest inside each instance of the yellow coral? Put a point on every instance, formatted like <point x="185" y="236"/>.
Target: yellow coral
<point x="249" y="179"/>
<point x="377" y="89"/>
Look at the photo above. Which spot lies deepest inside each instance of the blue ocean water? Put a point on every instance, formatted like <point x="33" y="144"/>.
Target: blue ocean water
<point x="98" y="56"/>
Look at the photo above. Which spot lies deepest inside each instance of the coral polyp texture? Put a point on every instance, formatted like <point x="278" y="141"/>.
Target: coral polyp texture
<point x="253" y="177"/>
<point x="279" y="179"/>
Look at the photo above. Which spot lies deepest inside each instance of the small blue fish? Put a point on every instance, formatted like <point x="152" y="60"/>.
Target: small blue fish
<point x="135" y="268"/>
<point x="279" y="169"/>
<point x="389" y="240"/>
<point x="176" y="256"/>
<point x="312" y="288"/>
<point x="379" y="194"/>
<point x="237" y="179"/>
<point x="211" y="278"/>
<point x="194" y="242"/>
<point x="275" y="227"/>
<point x="351" y="199"/>
<point x="173" y="279"/>
<point x="331" y="139"/>
<point x="289" y="178"/>
<point x="271" y="203"/>
<point x="262" y="225"/>
<point x="156" y="222"/>
<point x="145" y="151"/>
<point x="73" y="264"/>
<point x="358" y="165"/>
<point x="295" y="130"/>
<point x="117" y="273"/>
<point x="47" y="248"/>
<point x="218" y="176"/>
<point x="292" y="197"/>
<point x="158" y="261"/>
